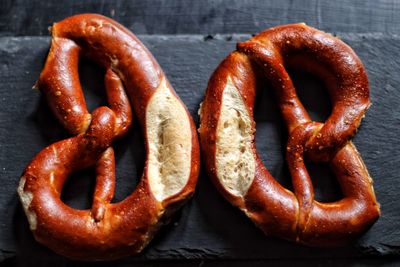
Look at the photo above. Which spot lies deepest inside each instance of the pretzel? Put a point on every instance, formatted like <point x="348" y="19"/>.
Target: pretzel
<point x="108" y="230"/>
<point x="227" y="136"/>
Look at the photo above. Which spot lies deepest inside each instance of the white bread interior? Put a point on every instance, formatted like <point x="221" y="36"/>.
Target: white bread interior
<point x="170" y="143"/>
<point x="26" y="199"/>
<point x="235" y="161"/>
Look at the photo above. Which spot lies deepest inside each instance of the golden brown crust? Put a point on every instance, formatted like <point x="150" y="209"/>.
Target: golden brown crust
<point x="108" y="230"/>
<point x="297" y="216"/>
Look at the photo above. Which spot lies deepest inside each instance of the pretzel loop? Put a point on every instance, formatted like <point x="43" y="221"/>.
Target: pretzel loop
<point x="313" y="215"/>
<point x="108" y="230"/>
<point x="227" y="136"/>
<point x="334" y="62"/>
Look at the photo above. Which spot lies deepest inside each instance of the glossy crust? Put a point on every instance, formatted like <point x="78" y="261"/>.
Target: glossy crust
<point x="109" y="230"/>
<point x="297" y="216"/>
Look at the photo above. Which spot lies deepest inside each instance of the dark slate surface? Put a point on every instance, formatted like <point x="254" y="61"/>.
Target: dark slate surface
<point x="27" y="17"/>
<point x="208" y="227"/>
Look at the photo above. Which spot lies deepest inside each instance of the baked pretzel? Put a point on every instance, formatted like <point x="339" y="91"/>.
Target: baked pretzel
<point x="108" y="230"/>
<point x="227" y="136"/>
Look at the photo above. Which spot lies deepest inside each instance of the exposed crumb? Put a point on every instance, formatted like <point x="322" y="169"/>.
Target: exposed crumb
<point x="234" y="157"/>
<point x="26" y="199"/>
<point x="169" y="135"/>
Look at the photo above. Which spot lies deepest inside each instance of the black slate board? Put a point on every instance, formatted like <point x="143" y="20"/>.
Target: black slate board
<point x="208" y="227"/>
<point x="32" y="17"/>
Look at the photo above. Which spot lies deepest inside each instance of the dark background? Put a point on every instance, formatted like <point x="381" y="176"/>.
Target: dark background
<point x="189" y="39"/>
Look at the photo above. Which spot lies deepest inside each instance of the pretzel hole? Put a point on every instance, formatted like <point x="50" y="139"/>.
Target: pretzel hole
<point x="92" y="86"/>
<point x="271" y="134"/>
<point x="78" y="189"/>
<point x="129" y="165"/>
<point x="326" y="186"/>
<point x="313" y="94"/>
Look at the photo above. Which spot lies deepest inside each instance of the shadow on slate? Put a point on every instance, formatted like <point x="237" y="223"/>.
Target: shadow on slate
<point x="208" y="227"/>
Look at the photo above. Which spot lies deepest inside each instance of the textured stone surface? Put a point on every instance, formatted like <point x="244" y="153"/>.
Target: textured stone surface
<point x="208" y="227"/>
<point x="32" y="17"/>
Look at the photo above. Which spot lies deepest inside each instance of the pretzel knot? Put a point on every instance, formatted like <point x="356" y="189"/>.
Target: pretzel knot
<point x="227" y="136"/>
<point x="108" y="230"/>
